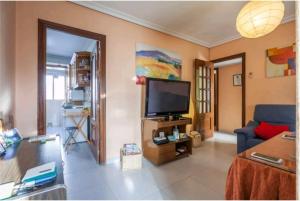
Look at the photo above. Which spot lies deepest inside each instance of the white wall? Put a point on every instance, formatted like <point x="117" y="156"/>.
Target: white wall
<point x="53" y="111"/>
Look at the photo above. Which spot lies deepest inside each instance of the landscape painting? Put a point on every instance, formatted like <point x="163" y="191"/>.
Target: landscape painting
<point x="156" y="63"/>
<point x="281" y="61"/>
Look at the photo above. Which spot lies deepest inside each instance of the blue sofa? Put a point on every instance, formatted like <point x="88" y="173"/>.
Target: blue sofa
<point x="273" y="114"/>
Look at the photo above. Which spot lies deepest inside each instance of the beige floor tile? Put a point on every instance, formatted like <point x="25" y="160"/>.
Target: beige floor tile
<point x="202" y="175"/>
<point x="191" y="189"/>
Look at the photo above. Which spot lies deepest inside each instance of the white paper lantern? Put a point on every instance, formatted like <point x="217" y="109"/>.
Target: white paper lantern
<point x="258" y="18"/>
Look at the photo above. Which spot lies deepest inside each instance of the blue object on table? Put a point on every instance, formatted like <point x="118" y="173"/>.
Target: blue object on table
<point x="67" y="106"/>
<point x="41" y="174"/>
<point x="43" y="181"/>
<point x="12" y="136"/>
<point x="273" y="114"/>
<point x="2" y="150"/>
<point x="171" y="138"/>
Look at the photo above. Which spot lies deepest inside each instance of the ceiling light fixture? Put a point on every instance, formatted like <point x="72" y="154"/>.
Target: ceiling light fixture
<point x="258" y="18"/>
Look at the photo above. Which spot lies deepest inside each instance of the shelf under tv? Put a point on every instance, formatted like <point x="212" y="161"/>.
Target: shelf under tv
<point x="159" y="154"/>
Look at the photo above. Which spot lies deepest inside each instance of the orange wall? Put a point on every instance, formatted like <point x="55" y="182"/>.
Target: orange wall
<point x="123" y="96"/>
<point x="230" y="99"/>
<point x="260" y="89"/>
<point x="7" y="59"/>
<point x="123" y="123"/>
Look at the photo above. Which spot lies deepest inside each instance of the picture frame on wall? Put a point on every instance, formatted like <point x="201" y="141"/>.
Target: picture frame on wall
<point x="281" y="62"/>
<point x="237" y="80"/>
<point x="156" y="62"/>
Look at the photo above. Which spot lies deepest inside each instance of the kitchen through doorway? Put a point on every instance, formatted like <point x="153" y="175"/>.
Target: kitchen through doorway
<point x="68" y="85"/>
<point x="73" y="65"/>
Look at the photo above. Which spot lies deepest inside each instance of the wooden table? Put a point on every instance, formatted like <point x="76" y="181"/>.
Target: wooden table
<point x="249" y="178"/>
<point x="25" y="155"/>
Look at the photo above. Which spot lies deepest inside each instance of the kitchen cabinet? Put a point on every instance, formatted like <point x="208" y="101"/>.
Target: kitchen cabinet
<point x="80" y="71"/>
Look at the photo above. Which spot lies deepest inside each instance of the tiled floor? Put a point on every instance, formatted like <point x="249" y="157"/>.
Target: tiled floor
<point x="199" y="176"/>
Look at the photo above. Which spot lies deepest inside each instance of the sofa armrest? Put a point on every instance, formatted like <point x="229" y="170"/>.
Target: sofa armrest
<point x="248" y="131"/>
<point x="243" y="135"/>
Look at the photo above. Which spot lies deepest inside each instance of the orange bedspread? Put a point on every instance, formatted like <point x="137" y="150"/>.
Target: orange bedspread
<point x="252" y="180"/>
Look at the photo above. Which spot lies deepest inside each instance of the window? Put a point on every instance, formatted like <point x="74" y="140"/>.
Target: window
<point x="49" y="87"/>
<point x="203" y="91"/>
<point x="55" y="87"/>
<point x="59" y="88"/>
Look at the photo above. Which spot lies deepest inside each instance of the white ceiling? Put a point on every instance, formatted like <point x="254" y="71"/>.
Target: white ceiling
<point x="207" y="23"/>
<point x="64" y="44"/>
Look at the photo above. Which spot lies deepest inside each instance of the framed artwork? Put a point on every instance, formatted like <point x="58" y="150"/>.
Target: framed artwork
<point x="237" y="80"/>
<point x="281" y="61"/>
<point x="156" y="63"/>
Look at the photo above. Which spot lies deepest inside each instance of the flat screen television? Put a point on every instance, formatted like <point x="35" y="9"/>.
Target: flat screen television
<point x="166" y="97"/>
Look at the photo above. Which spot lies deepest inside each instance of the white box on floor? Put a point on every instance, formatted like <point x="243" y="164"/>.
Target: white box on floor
<point x="130" y="161"/>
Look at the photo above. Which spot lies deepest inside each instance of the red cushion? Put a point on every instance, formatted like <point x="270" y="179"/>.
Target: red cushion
<point x="267" y="131"/>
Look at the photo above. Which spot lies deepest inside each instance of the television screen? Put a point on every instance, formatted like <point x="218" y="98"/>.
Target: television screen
<point x="166" y="97"/>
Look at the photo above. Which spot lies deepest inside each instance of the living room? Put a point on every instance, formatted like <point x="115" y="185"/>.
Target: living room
<point x="121" y="94"/>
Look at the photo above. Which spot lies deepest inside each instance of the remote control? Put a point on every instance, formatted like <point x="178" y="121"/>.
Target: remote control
<point x="267" y="158"/>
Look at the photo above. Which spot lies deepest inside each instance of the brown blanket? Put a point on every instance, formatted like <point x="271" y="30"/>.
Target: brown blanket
<point x="252" y="180"/>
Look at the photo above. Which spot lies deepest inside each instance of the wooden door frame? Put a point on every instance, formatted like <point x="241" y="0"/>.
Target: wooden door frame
<point x="101" y="66"/>
<point x="243" y="56"/>
<point x="216" y="99"/>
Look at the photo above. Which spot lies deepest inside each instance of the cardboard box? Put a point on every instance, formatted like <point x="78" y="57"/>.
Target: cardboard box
<point x="196" y="139"/>
<point x="130" y="161"/>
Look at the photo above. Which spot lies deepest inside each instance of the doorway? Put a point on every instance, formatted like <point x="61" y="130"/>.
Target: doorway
<point x="229" y="90"/>
<point x="71" y="84"/>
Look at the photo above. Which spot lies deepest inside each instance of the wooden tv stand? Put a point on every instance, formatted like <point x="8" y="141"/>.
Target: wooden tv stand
<point x="163" y="153"/>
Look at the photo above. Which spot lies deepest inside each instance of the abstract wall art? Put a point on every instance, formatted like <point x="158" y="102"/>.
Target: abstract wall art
<point x="156" y="63"/>
<point x="281" y="61"/>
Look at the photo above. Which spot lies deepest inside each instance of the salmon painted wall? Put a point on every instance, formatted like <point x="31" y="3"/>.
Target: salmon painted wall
<point x="7" y="60"/>
<point x="230" y="99"/>
<point x="123" y="122"/>
<point x="259" y="88"/>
